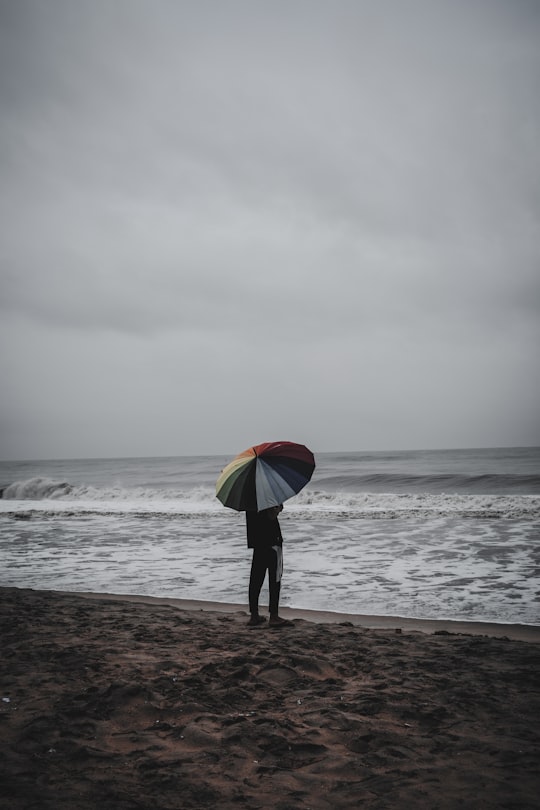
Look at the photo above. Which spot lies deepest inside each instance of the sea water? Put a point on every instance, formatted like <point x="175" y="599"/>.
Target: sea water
<point x="427" y="534"/>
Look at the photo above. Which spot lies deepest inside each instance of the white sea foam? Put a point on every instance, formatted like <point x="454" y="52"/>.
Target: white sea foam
<point x="437" y="567"/>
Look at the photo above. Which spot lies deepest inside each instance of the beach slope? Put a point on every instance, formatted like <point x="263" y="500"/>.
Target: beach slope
<point x="128" y="705"/>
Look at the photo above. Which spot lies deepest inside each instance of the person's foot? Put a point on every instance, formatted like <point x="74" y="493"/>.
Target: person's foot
<point x="255" y="621"/>
<point x="277" y="621"/>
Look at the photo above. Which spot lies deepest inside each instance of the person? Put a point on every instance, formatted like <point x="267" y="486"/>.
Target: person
<point x="264" y="537"/>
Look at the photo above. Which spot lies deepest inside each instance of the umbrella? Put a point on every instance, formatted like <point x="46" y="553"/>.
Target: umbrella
<point x="265" y="475"/>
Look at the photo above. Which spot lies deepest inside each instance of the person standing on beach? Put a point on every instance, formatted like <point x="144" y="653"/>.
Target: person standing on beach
<point x="264" y="537"/>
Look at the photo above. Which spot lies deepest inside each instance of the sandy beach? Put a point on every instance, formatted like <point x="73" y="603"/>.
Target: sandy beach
<point x="129" y="704"/>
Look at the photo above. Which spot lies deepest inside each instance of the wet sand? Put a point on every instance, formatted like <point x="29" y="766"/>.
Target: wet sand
<point x="132" y="703"/>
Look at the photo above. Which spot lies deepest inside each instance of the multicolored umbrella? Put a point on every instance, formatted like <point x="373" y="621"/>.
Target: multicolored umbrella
<point x="265" y="475"/>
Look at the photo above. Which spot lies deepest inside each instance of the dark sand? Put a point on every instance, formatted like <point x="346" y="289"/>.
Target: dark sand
<point x="114" y="703"/>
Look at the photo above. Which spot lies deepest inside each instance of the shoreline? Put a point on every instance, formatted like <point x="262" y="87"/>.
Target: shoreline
<point x="517" y="632"/>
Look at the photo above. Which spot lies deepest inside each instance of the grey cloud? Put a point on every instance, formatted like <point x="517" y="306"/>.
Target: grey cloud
<point x="340" y="198"/>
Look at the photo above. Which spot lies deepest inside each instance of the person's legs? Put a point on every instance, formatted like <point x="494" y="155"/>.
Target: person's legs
<point x="266" y="560"/>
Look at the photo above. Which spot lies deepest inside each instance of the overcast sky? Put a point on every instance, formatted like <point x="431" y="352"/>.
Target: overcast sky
<point x="230" y="222"/>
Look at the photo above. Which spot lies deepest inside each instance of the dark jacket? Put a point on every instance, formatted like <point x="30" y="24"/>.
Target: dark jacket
<point x="262" y="532"/>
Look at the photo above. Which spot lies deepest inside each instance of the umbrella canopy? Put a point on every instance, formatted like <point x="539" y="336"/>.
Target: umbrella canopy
<point x="265" y="475"/>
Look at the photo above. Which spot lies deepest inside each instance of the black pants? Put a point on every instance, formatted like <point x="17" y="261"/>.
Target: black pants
<point x="264" y="559"/>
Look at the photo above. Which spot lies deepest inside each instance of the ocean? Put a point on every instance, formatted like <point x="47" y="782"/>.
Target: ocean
<point x="451" y="534"/>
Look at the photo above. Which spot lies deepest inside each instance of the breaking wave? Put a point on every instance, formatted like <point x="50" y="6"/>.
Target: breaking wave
<point x="40" y="496"/>
<point x="37" y="489"/>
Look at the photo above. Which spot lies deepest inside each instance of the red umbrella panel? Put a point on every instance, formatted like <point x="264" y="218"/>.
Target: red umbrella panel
<point x="265" y="475"/>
